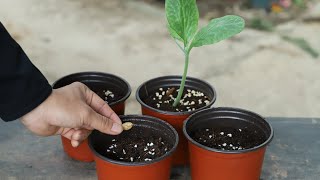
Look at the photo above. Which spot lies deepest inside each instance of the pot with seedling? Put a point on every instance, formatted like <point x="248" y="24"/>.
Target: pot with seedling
<point x="142" y="151"/>
<point x="174" y="98"/>
<point x="227" y="143"/>
<point x="113" y="89"/>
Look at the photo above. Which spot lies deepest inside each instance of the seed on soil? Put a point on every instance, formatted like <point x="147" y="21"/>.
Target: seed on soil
<point x="127" y="126"/>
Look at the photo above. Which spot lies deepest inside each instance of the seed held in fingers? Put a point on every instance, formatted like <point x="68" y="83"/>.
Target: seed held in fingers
<point x="127" y="126"/>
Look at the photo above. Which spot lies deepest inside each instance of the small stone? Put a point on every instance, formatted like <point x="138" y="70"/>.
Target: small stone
<point x="127" y="126"/>
<point x="207" y="130"/>
<point x="229" y="135"/>
<point x="160" y="89"/>
<point x="135" y="146"/>
<point x="160" y="96"/>
<point x="158" y="105"/>
<point x="108" y="150"/>
<point x="157" y="94"/>
<point x="192" y="103"/>
<point x="163" y="93"/>
<point x="224" y="144"/>
<point x="240" y="130"/>
<point x="113" y="140"/>
<point x="210" y="136"/>
<point x="112" y="95"/>
<point x="131" y="159"/>
<point x="151" y="144"/>
<point x="145" y="149"/>
<point x="222" y="133"/>
<point x="124" y="152"/>
<point x="154" y="98"/>
<point x="147" y="159"/>
<point x="230" y="145"/>
<point x="189" y="95"/>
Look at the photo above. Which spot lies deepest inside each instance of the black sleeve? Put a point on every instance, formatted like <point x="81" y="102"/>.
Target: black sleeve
<point x="22" y="86"/>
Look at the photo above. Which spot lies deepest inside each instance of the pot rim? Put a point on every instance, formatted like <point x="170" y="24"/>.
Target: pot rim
<point x="124" y="98"/>
<point x="265" y="143"/>
<point x="143" y="104"/>
<point x="122" y="163"/>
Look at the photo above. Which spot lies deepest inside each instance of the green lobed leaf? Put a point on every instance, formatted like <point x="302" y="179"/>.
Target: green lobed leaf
<point x="218" y="29"/>
<point x="182" y="17"/>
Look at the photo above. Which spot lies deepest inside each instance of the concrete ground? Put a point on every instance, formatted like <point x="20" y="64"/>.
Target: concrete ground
<point x="255" y="70"/>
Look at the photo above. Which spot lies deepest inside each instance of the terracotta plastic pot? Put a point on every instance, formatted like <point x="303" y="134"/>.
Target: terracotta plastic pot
<point x="144" y="126"/>
<point x="176" y="119"/>
<point x="96" y="81"/>
<point x="209" y="163"/>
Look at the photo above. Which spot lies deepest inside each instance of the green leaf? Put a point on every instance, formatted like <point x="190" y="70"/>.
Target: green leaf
<point x="218" y="29"/>
<point x="182" y="17"/>
<point x="174" y="34"/>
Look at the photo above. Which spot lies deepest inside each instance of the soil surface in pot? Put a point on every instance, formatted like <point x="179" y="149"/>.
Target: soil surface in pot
<point x="136" y="149"/>
<point x="107" y="95"/>
<point x="228" y="138"/>
<point x="163" y="99"/>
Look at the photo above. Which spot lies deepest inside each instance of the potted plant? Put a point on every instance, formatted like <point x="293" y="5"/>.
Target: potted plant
<point x="113" y="89"/>
<point x="227" y="143"/>
<point x="166" y="97"/>
<point x="143" y="151"/>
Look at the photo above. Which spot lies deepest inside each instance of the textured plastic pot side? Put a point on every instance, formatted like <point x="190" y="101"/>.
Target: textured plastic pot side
<point x="176" y="119"/>
<point x="209" y="163"/>
<point x="158" y="169"/>
<point x="83" y="152"/>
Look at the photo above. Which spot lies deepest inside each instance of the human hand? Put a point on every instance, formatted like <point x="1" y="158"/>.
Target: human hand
<point x="72" y="111"/>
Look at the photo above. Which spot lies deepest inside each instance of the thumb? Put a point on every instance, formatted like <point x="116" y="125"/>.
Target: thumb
<point x="102" y="123"/>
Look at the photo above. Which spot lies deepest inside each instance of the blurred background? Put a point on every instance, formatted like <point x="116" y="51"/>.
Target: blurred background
<point x="272" y="68"/>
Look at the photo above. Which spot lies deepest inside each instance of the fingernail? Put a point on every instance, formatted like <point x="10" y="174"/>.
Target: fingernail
<point x="74" y="143"/>
<point x="117" y="128"/>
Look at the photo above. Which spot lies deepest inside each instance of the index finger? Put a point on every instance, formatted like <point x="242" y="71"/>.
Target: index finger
<point x="100" y="106"/>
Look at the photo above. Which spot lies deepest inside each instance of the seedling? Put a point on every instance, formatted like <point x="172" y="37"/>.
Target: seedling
<point x="183" y="18"/>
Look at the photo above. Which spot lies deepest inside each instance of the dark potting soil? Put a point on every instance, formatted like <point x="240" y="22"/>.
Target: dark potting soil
<point x="230" y="139"/>
<point x="136" y="149"/>
<point x="108" y="96"/>
<point x="163" y="99"/>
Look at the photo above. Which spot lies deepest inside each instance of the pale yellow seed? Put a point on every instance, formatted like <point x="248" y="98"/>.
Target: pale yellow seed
<point x="127" y="126"/>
